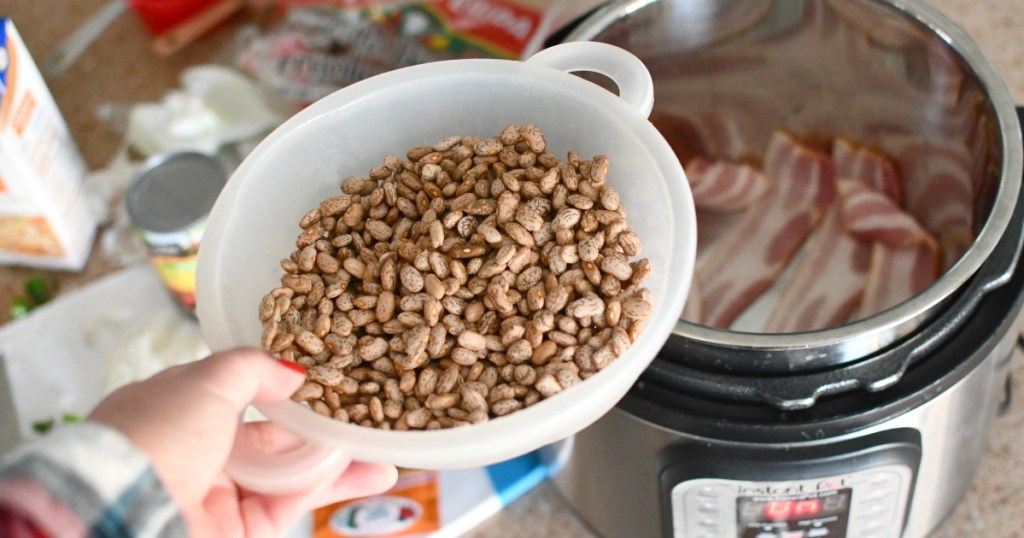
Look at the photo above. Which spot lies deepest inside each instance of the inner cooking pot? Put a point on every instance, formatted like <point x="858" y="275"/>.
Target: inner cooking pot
<point x="895" y="76"/>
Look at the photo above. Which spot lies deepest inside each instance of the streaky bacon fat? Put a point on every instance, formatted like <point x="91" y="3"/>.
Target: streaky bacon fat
<point x="828" y="283"/>
<point x="938" y="187"/>
<point x="712" y="228"/>
<point x="868" y="166"/>
<point x="897" y="274"/>
<point x="872" y="216"/>
<point x="724" y="185"/>
<point x="750" y="258"/>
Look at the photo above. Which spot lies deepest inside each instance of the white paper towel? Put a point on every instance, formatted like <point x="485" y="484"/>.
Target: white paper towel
<point x="66" y="355"/>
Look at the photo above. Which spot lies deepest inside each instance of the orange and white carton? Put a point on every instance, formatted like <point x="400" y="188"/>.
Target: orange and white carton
<point x="45" y="218"/>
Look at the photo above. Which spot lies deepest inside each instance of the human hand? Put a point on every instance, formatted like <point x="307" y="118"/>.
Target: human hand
<point x="186" y="417"/>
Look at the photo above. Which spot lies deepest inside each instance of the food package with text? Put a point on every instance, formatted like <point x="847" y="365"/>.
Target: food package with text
<point x="45" y="218"/>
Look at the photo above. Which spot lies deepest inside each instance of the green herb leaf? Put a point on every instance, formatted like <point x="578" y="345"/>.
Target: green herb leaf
<point x="39" y="289"/>
<point x="70" y="418"/>
<point x="20" y="307"/>
<point x="43" y="426"/>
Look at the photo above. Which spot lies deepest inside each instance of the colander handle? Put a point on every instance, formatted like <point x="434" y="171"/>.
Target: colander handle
<point x="627" y="71"/>
<point x="285" y="472"/>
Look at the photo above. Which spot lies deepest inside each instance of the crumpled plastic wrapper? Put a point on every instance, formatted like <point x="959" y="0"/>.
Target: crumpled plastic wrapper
<point x="215" y="106"/>
<point x="217" y="111"/>
<point x="323" y="45"/>
<point x="316" y="51"/>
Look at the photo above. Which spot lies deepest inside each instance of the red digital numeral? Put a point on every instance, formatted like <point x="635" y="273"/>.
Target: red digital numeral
<point x="781" y="510"/>
<point x="778" y="510"/>
<point x="809" y="507"/>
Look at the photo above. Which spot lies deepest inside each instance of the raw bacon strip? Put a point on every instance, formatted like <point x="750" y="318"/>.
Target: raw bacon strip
<point x="938" y="190"/>
<point x="723" y="185"/>
<point x="681" y="133"/>
<point x="723" y="134"/>
<point x="704" y="133"/>
<point x="712" y="228"/>
<point x="828" y="283"/>
<point x="762" y="243"/>
<point x="873" y="217"/>
<point x="714" y="126"/>
<point x="897" y="274"/>
<point x="868" y="166"/>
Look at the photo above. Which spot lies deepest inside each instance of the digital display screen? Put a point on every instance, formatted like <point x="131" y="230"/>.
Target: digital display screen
<point x="794" y="515"/>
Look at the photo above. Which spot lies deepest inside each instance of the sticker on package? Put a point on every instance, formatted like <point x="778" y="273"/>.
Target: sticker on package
<point x="410" y="508"/>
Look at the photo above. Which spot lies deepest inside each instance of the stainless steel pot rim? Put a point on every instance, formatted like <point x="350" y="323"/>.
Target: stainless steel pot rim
<point x="861" y="338"/>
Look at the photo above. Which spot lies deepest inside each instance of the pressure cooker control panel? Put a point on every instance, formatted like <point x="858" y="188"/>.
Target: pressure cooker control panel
<point x="853" y="489"/>
<point x="866" y="504"/>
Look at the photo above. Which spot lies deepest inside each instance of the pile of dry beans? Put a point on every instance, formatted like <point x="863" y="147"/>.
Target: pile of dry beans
<point x="473" y="279"/>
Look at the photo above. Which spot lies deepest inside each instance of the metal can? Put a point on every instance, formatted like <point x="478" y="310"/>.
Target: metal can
<point x="168" y="202"/>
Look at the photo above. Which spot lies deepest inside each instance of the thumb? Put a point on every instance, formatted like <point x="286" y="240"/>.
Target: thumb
<point x="244" y="375"/>
<point x="186" y="416"/>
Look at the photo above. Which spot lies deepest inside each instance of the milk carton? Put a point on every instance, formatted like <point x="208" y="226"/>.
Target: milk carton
<point x="45" y="220"/>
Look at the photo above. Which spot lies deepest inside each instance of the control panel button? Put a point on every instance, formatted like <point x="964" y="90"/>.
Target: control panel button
<point x="707" y="492"/>
<point x="879" y="495"/>
<point x="876" y="509"/>
<point x="817" y="532"/>
<point x="708" y="508"/>
<point x="883" y="480"/>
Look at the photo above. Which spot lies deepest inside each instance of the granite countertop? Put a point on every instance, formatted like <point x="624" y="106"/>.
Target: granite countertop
<point x="120" y="68"/>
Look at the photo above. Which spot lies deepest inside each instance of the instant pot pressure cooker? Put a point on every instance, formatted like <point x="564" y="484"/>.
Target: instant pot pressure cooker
<point x="871" y="429"/>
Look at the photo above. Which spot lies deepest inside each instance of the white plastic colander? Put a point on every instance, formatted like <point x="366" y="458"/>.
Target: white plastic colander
<point x="254" y="224"/>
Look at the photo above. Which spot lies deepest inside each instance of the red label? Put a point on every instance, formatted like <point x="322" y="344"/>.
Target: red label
<point x="499" y="27"/>
<point x="347" y="4"/>
<point x="501" y="24"/>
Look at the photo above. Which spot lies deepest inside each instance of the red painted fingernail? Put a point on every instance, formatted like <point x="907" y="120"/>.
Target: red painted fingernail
<point x="293" y="366"/>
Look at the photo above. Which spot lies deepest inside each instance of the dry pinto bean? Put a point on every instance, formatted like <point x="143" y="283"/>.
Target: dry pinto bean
<point x="472" y="400"/>
<point x="463" y="356"/>
<point x="417" y="419"/>
<point x="636" y="308"/>
<point x="427" y="381"/>
<point x="584" y="307"/>
<point x="448" y="380"/>
<point x="472" y="341"/>
<point x="310" y="390"/>
<point x="547" y="385"/>
<point x="505" y="407"/>
<point x="441" y="401"/>
<point x="617" y="267"/>
<point x="473" y="279"/>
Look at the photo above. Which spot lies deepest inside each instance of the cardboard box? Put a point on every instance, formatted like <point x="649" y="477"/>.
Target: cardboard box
<point x="45" y="219"/>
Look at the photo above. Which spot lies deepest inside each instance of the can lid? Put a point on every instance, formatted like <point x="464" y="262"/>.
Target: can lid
<point x="172" y="191"/>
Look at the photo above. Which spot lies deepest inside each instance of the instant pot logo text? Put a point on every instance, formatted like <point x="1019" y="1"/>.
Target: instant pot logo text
<point x="792" y="488"/>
